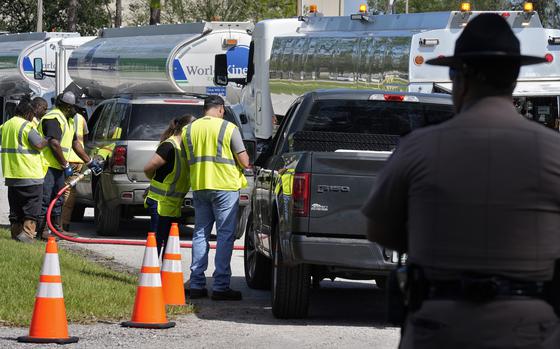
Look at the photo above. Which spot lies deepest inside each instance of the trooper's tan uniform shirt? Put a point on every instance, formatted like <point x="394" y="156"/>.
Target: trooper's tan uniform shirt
<point x="480" y="192"/>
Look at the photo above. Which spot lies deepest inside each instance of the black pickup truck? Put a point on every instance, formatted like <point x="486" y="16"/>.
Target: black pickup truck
<point x="312" y="179"/>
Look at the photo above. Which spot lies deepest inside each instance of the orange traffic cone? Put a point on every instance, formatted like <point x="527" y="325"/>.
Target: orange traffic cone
<point x="49" y="324"/>
<point x="172" y="272"/>
<point x="149" y="308"/>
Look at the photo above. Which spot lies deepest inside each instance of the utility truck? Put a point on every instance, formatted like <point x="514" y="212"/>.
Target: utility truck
<point x="289" y="57"/>
<point x="34" y="63"/>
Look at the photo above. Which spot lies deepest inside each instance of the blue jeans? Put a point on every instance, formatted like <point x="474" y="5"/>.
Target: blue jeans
<point x="213" y="206"/>
<point x="54" y="181"/>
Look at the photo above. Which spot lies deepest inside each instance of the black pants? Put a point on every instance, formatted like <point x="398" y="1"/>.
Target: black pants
<point x="162" y="234"/>
<point x="506" y="323"/>
<point x="25" y="202"/>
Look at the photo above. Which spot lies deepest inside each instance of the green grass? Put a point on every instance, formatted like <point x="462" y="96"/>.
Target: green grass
<point x="92" y="292"/>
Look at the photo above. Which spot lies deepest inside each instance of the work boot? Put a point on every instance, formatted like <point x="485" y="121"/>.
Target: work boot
<point x="27" y="233"/>
<point x="15" y="229"/>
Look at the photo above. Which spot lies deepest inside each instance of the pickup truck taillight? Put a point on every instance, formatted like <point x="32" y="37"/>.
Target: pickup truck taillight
<point x="118" y="160"/>
<point x="301" y="194"/>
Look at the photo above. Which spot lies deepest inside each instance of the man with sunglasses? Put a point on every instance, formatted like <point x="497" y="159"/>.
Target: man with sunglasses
<point x="475" y="203"/>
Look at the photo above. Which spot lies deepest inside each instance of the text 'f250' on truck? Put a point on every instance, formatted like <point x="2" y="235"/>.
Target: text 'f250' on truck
<point x="311" y="182"/>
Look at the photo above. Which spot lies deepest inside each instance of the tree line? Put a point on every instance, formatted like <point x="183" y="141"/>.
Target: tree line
<point x="87" y="17"/>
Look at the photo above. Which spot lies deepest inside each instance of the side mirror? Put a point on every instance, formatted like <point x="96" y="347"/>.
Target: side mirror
<point x="243" y="119"/>
<point x="38" y="73"/>
<point x="251" y="148"/>
<point x="220" y="70"/>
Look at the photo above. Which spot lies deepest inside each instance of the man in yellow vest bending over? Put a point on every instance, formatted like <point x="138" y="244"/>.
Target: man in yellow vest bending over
<point x="216" y="156"/>
<point x="23" y="170"/>
<point x="55" y="128"/>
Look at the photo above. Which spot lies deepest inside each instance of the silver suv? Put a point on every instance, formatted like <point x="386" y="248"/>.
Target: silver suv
<point x="124" y="131"/>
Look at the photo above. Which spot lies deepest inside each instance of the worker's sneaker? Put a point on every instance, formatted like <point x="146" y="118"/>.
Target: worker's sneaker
<point x="227" y="295"/>
<point x="195" y="293"/>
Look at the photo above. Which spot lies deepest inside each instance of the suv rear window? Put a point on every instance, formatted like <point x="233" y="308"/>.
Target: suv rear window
<point x="374" y="117"/>
<point x="148" y="121"/>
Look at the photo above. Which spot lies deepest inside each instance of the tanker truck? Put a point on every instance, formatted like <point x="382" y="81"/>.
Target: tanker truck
<point x="20" y="54"/>
<point x="387" y="52"/>
<point x="174" y="58"/>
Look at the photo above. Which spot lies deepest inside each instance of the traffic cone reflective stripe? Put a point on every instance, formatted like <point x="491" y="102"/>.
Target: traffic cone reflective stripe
<point x="172" y="271"/>
<point x="49" y="324"/>
<point x="149" y="306"/>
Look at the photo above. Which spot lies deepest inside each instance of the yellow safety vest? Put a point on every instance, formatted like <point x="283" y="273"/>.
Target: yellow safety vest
<point x="19" y="158"/>
<point x="170" y="193"/>
<point x="77" y="124"/>
<point x="286" y="182"/>
<point x="207" y="142"/>
<point x="107" y="149"/>
<point x="65" y="142"/>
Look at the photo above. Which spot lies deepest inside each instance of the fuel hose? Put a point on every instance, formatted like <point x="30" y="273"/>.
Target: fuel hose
<point x="81" y="240"/>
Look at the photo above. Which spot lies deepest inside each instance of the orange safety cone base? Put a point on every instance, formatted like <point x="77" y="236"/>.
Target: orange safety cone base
<point x="148" y="325"/>
<point x="28" y="339"/>
<point x="171" y="295"/>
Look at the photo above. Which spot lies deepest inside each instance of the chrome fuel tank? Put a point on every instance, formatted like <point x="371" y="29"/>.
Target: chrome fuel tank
<point x="163" y="59"/>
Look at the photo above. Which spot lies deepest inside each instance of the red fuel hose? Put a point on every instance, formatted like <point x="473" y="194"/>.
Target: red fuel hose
<point x="101" y="241"/>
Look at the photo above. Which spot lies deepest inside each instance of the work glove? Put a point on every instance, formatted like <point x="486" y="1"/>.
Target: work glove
<point x="68" y="171"/>
<point x="95" y="167"/>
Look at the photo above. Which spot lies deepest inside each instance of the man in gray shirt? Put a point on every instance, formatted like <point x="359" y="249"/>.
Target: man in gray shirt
<point x="475" y="202"/>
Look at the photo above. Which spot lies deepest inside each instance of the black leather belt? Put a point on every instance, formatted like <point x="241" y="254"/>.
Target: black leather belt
<point x="483" y="289"/>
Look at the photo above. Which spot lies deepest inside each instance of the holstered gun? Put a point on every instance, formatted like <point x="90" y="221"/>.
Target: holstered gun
<point x="407" y="288"/>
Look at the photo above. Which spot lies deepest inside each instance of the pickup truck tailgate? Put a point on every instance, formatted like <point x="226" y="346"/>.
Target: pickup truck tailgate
<point x="340" y="185"/>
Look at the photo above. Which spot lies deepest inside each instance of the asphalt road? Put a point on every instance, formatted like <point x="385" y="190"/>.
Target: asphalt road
<point x="342" y="313"/>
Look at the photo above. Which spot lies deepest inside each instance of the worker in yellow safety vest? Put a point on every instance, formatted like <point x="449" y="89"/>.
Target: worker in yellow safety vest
<point x="55" y="128"/>
<point x="168" y="172"/>
<point x="216" y="156"/>
<point x="79" y="124"/>
<point x="23" y="170"/>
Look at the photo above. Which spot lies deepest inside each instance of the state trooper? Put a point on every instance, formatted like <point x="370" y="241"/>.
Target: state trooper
<point x="23" y="170"/>
<point x="54" y="126"/>
<point x="475" y="202"/>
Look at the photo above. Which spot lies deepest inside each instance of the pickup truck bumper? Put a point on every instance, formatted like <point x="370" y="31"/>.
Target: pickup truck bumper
<point x="339" y="252"/>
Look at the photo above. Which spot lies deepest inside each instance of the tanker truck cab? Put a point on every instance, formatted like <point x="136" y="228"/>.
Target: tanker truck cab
<point x="537" y="94"/>
<point x="19" y="56"/>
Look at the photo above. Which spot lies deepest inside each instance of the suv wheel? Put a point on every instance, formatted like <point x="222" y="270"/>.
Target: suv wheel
<point x="290" y="286"/>
<point x="106" y="219"/>
<point x="257" y="266"/>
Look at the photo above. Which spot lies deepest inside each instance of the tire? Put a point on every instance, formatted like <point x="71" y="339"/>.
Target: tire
<point x="290" y="286"/>
<point x="78" y="213"/>
<point x="257" y="267"/>
<point x="106" y="218"/>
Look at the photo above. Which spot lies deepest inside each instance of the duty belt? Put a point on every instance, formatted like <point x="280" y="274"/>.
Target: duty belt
<point x="483" y="289"/>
